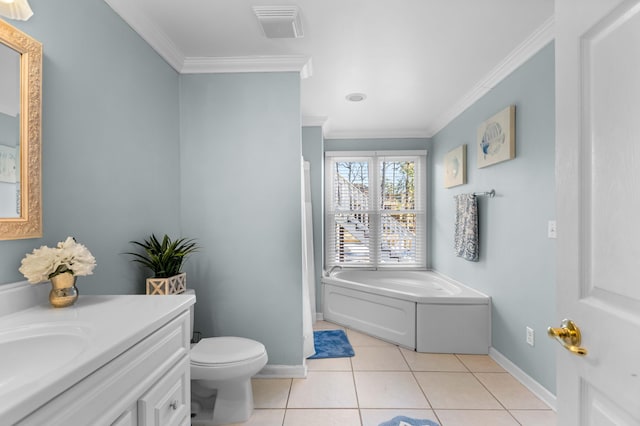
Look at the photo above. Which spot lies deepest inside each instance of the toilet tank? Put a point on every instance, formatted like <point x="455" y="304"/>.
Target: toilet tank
<point x="191" y="309"/>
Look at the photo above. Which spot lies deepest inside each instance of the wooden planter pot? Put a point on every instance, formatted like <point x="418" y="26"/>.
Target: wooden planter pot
<point x="172" y="285"/>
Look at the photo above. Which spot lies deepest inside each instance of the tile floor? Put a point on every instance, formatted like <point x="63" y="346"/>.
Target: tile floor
<point x="383" y="381"/>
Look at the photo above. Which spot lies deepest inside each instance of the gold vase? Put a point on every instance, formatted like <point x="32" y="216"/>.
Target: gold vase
<point x="63" y="290"/>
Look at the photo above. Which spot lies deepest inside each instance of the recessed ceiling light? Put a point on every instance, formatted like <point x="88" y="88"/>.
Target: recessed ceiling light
<point x="356" y="97"/>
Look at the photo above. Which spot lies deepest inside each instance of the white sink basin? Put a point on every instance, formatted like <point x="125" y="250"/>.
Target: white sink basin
<point x="30" y="352"/>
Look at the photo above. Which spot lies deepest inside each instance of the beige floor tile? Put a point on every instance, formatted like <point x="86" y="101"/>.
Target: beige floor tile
<point x="329" y="364"/>
<point x="432" y="362"/>
<point x="382" y="389"/>
<point x="388" y="381"/>
<point x="326" y="417"/>
<point x="374" y="417"/>
<point x="325" y="325"/>
<point x="323" y="389"/>
<point x="264" y="418"/>
<point x="476" y="418"/>
<point x="270" y="393"/>
<point x="455" y="391"/>
<point x="360" y="339"/>
<point x="535" y="417"/>
<point x="480" y="364"/>
<point x="378" y="358"/>
<point x="511" y="393"/>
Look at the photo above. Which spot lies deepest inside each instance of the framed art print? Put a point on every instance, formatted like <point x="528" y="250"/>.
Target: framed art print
<point x="496" y="139"/>
<point x="455" y="167"/>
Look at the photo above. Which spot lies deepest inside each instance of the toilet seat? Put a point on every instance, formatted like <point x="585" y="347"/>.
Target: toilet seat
<point x="217" y="351"/>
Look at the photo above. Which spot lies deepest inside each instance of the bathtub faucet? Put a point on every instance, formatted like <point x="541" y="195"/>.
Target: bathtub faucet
<point x="333" y="268"/>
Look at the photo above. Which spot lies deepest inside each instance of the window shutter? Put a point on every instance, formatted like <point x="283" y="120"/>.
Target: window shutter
<point x="349" y="236"/>
<point x="401" y="231"/>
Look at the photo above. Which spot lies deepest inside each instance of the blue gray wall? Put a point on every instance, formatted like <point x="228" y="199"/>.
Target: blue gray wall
<point x="110" y="141"/>
<point x="313" y="152"/>
<point x="241" y="197"/>
<point x="517" y="260"/>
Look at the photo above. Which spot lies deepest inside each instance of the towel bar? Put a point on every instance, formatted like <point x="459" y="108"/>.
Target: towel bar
<point x="489" y="194"/>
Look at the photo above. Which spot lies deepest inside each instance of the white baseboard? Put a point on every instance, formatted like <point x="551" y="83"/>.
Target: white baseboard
<point x="271" y="371"/>
<point x="319" y="316"/>
<point x="535" y="387"/>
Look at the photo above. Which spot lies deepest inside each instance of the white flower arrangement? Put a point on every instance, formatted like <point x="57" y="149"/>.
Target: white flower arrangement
<point x="46" y="262"/>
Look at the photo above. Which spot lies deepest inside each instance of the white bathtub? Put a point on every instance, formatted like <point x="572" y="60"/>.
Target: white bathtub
<point x="420" y="310"/>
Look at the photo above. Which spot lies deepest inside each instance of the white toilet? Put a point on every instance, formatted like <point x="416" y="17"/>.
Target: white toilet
<point x="221" y="371"/>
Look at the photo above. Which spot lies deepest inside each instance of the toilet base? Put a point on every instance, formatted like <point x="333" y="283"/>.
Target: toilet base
<point x="221" y="402"/>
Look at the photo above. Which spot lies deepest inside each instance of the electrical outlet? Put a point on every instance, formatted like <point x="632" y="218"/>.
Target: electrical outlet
<point x="552" y="231"/>
<point x="530" y="336"/>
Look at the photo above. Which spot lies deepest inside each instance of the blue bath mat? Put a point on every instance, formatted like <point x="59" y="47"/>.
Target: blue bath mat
<point x="407" y="421"/>
<point x="331" y="344"/>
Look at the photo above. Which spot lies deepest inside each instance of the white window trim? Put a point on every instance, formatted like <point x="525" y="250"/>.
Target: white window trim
<point x="373" y="157"/>
<point x="408" y="153"/>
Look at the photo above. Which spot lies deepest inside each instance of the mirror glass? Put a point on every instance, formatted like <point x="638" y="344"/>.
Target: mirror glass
<point x="20" y="134"/>
<point x="9" y="132"/>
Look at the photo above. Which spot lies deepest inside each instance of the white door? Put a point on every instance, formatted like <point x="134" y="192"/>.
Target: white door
<point x="598" y="209"/>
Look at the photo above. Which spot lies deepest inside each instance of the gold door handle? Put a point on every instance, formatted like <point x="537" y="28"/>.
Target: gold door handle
<point x="569" y="336"/>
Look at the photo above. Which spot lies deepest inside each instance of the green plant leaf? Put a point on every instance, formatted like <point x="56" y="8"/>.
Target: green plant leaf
<point x="165" y="258"/>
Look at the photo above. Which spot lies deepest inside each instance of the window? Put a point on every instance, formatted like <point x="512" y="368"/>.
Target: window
<point x="375" y="209"/>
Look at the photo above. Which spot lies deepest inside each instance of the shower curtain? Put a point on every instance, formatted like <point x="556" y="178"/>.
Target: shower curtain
<point x="308" y="274"/>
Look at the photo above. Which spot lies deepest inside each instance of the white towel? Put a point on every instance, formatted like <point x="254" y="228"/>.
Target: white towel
<point x="466" y="244"/>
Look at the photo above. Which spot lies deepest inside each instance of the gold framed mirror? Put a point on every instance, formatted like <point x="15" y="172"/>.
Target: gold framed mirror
<point x="20" y="153"/>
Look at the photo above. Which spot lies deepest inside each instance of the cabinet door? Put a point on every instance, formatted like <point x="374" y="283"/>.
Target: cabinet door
<point x="165" y="404"/>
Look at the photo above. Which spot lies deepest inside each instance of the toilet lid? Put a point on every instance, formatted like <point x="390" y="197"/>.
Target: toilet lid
<point x="224" y="350"/>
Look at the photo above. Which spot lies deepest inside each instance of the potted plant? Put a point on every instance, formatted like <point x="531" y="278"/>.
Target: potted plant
<point x="165" y="258"/>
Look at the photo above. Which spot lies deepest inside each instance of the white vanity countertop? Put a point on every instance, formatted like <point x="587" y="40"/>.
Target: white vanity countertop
<point x="106" y="326"/>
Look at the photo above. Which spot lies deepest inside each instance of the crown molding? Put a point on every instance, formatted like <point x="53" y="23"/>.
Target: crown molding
<point x="158" y="40"/>
<point x="274" y="63"/>
<point x="532" y="45"/>
<point x="151" y="33"/>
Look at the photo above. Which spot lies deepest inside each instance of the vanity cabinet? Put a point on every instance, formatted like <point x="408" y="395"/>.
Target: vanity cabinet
<point x="148" y="384"/>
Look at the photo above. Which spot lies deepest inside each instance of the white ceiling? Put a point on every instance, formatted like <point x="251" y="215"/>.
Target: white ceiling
<point x="420" y="62"/>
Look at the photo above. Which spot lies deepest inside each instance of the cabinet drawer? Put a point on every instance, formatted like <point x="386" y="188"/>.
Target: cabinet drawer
<point x="167" y="402"/>
<point x="128" y="418"/>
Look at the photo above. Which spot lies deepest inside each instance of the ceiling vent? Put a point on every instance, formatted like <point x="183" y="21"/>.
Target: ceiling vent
<point x="279" y="21"/>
